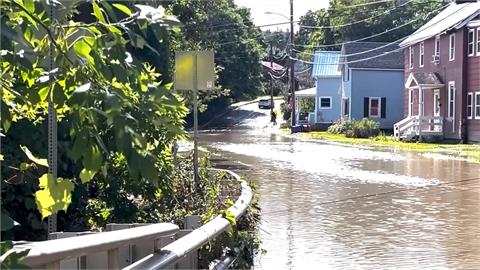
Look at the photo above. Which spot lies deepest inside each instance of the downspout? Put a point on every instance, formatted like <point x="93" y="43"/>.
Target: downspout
<point x="465" y="59"/>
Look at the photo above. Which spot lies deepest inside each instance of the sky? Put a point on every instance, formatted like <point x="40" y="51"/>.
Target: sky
<point x="259" y="7"/>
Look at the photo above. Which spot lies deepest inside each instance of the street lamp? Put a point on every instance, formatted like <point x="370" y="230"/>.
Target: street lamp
<point x="291" y="77"/>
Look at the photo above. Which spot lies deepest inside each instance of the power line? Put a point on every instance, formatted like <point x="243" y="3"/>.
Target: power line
<point x="356" y="22"/>
<point x="378" y="195"/>
<point x="349" y="62"/>
<point x="369" y="3"/>
<point x="362" y="52"/>
<point x="375" y="35"/>
<point x="375" y="56"/>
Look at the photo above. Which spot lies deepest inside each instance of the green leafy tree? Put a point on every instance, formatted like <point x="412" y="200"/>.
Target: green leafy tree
<point x="110" y="104"/>
<point x="221" y="26"/>
<point x="347" y="20"/>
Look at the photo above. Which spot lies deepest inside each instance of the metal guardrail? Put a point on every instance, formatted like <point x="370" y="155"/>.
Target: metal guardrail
<point x="48" y="254"/>
<point x="177" y="250"/>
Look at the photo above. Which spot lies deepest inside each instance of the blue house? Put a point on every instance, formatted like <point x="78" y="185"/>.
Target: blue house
<point x="327" y="86"/>
<point x="372" y="82"/>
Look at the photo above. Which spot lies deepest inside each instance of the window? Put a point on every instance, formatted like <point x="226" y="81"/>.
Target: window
<point x="451" y="100"/>
<point x="437" y="46"/>
<point x="470" y="105"/>
<point x="346" y="75"/>
<point x="325" y="102"/>
<point x="478" y="41"/>
<point x="410" y="102"/>
<point x="422" y="54"/>
<point x="452" y="47"/>
<point x="346" y="106"/>
<point x="411" y="57"/>
<point x="374" y="107"/>
<point x="477" y="105"/>
<point x="471" y="42"/>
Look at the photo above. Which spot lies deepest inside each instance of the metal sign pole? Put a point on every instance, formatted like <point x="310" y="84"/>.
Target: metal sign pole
<point x="52" y="132"/>
<point x="195" y="123"/>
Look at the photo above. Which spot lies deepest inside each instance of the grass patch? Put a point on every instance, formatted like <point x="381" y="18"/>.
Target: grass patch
<point x="468" y="151"/>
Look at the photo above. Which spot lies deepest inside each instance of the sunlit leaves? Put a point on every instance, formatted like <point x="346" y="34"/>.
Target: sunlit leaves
<point x="98" y="12"/>
<point x="54" y="195"/>
<point x="101" y="90"/>
<point x="82" y="48"/>
<point x="39" y="161"/>
<point x="123" y="8"/>
<point x="86" y="175"/>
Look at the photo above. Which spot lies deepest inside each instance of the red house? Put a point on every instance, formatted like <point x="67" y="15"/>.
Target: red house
<point x="442" y="77"/>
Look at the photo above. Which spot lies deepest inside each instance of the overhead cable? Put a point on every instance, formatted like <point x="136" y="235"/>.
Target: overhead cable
<point x="372" y="36"/>
<point x="356" y="22"/>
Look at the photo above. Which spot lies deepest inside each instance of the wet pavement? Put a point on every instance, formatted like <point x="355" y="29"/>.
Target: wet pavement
<point x="330" y="206"/>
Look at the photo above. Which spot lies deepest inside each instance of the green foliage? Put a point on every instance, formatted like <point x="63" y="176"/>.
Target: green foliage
<point x="108" y="102"/>
<point x="221" y="26"/>
<point x="364" y="128"/>
<point x="354" y="20"/>
<point x="241" y="242"/>
<point x="55" y="194"/>
<point x="307" y="105"/>
<point x="14" y="259"/>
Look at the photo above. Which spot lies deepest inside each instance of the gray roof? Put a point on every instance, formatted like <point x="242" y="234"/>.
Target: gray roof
<point x="454" y="16"/>
<point x="325" y="64"/>
<point x="426" y="78"/>
<point x="376" y="55"/>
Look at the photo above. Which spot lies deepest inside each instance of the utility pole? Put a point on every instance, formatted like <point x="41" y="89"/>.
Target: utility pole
<point x="271" y="80"/>
<point x="292" y="68"/>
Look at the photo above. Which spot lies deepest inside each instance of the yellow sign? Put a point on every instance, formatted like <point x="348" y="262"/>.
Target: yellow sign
<point x="189" y="64"/>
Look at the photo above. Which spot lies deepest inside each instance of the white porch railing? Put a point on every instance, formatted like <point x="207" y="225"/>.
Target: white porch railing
<point x="418" y="126"/>
<point x="49" y="254"/>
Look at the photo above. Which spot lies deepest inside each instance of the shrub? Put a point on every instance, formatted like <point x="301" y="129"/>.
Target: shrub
<point x="364" y="128"/>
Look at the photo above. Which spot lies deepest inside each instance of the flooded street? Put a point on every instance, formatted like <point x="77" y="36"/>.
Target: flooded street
<point x="328" y="206"/>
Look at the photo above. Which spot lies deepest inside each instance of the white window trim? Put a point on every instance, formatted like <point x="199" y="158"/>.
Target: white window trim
<point x="379" y="107"/>
<point x="451" y="83"/>
<point x="476" y="105"/>
<point x="410" y="102"/>
<point x="437" y="45"/>
<point x="471" y="43"/>
<point x="320" y="103"/>
<point x="410" y="57"/>
<point x="478" y="41"/>
<point x="471" y="106"/>
<point x="450" y="47"/>
<point x="421" y="54"/>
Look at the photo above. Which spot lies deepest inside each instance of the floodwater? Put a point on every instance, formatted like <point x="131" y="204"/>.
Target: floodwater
<point x="328" y="206"/>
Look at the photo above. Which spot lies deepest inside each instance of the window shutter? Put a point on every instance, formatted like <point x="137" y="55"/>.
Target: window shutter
<point x="365" y="106"/>
<point x="383" y="112"/>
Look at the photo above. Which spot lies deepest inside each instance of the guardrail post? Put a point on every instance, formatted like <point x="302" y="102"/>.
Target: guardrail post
<point x="113" y="259"/>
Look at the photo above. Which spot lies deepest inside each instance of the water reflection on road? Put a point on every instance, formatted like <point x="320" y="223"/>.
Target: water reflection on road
<point x="331" y="206"/>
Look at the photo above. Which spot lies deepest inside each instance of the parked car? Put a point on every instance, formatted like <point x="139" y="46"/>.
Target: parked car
<point x="265" y="104"/>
